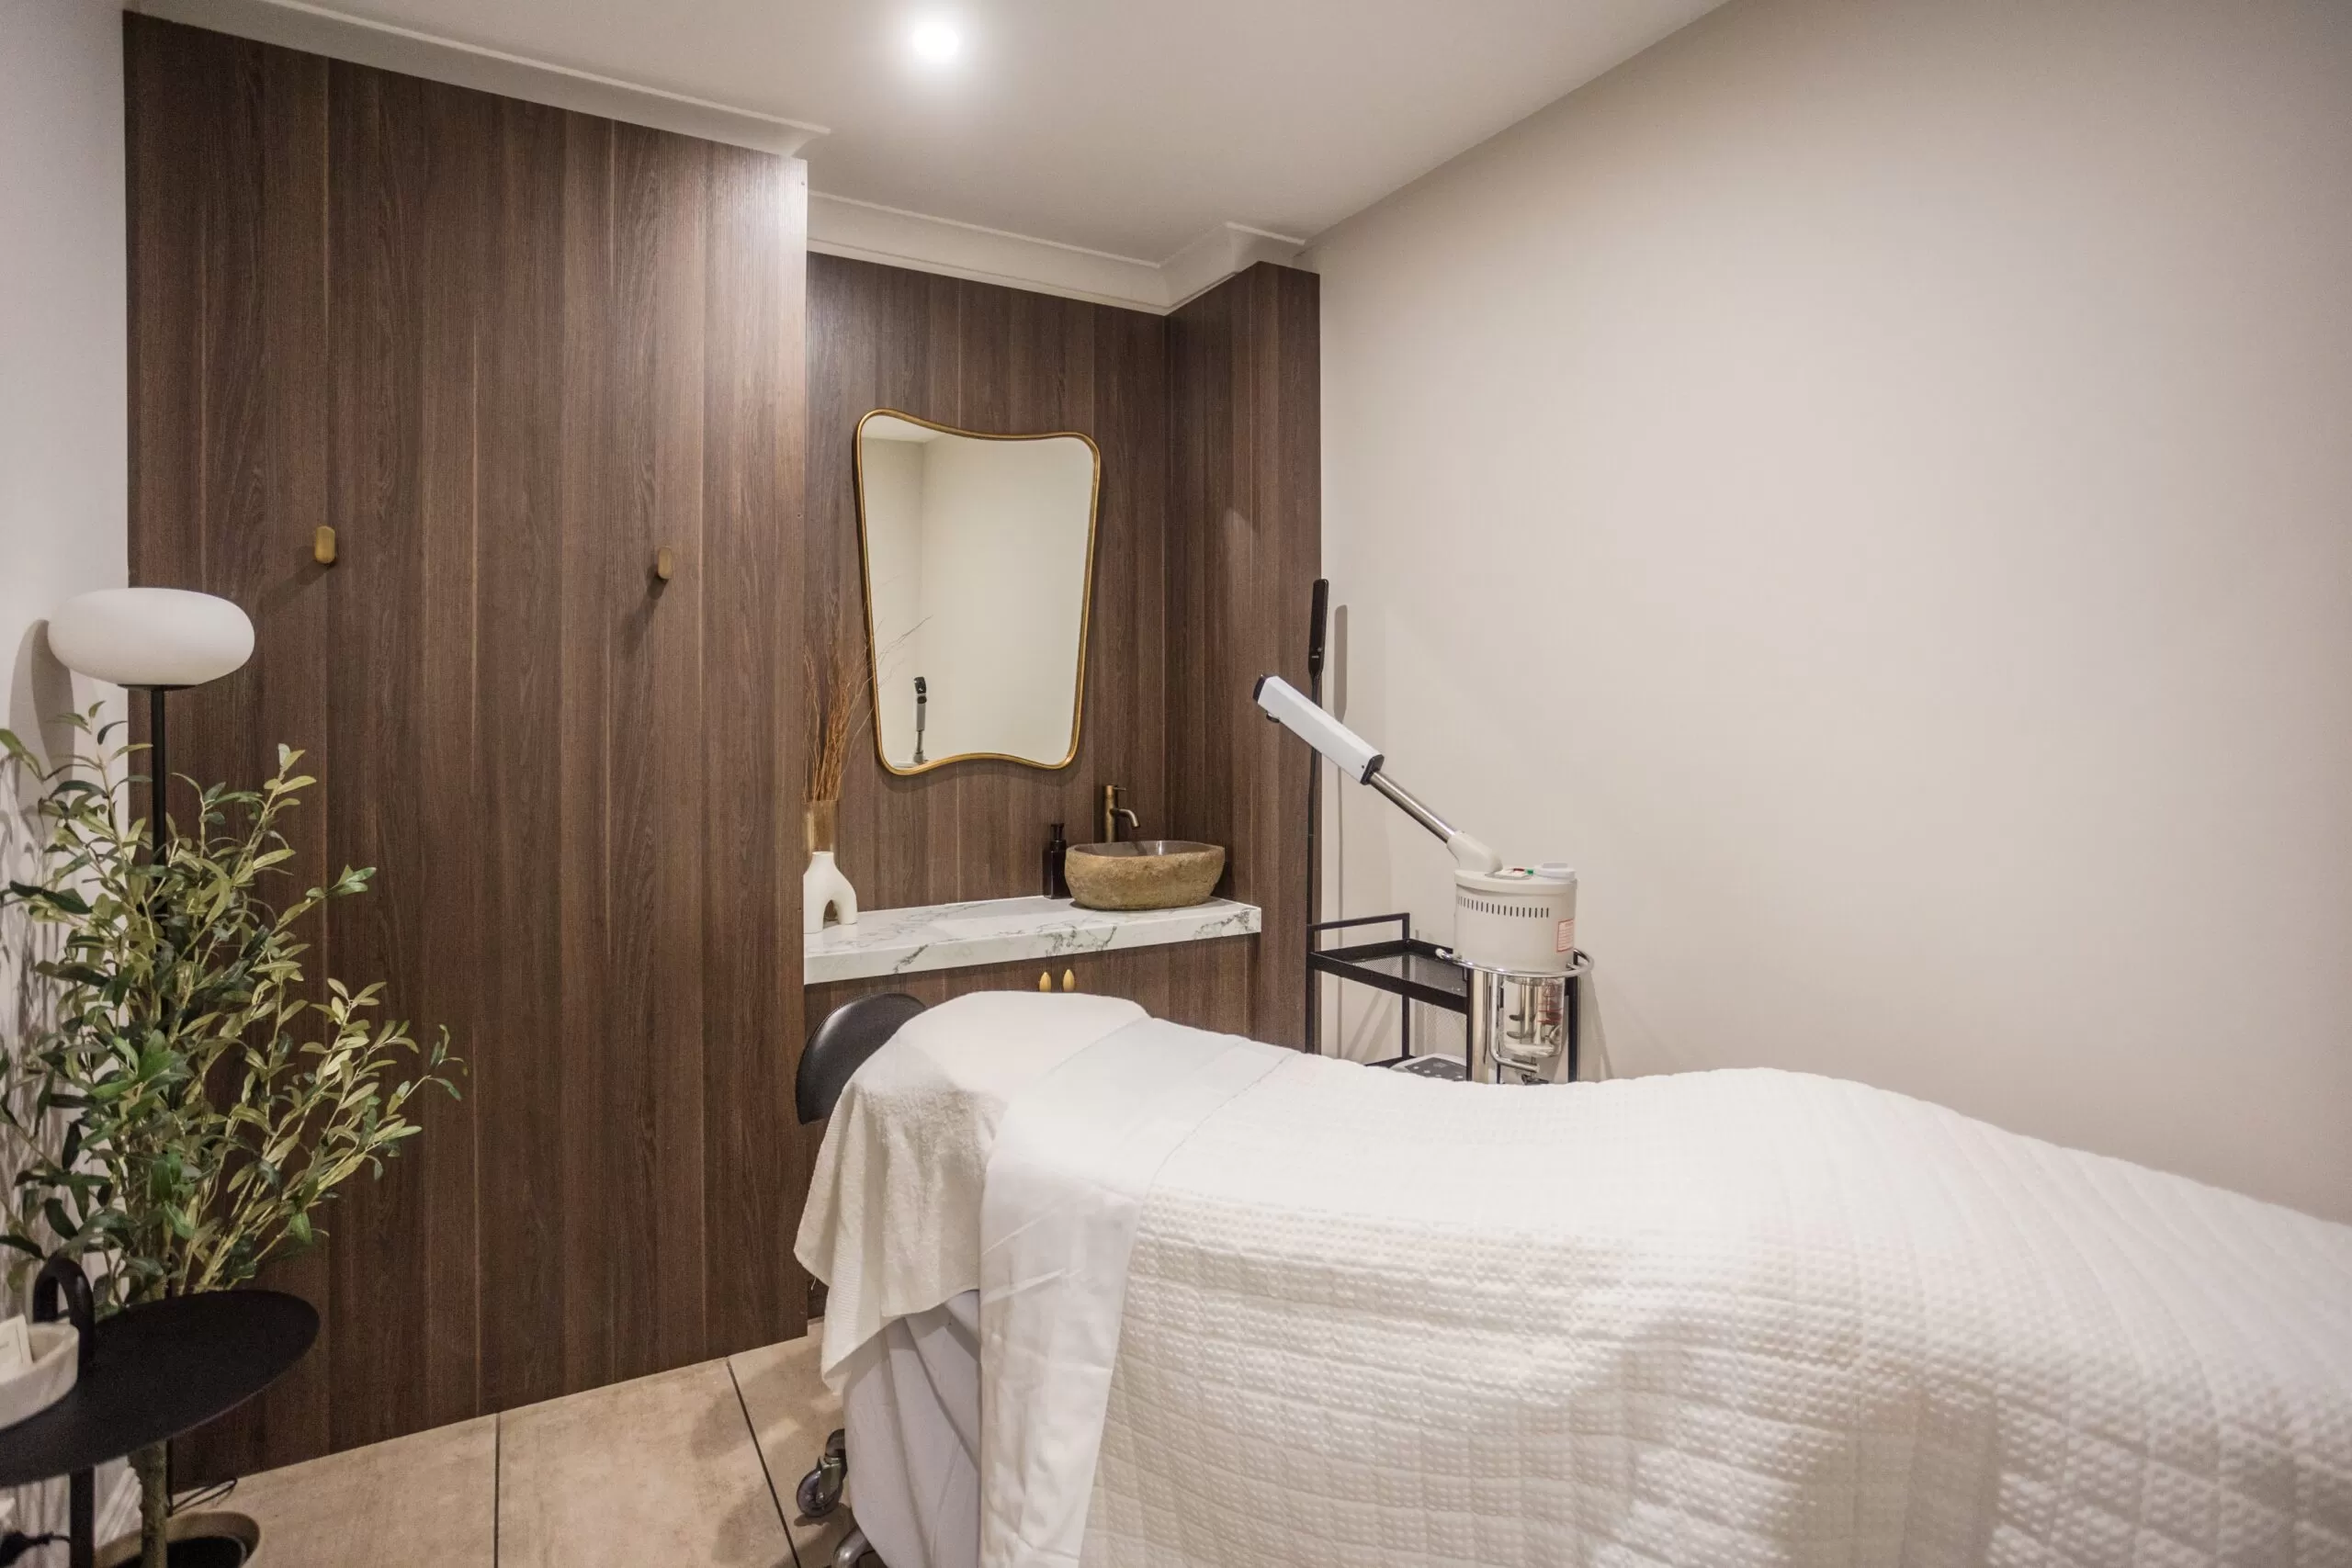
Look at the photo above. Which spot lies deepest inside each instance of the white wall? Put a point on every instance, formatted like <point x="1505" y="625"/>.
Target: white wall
<point x="63" y="454"/>
<point x="1871" y="483"/>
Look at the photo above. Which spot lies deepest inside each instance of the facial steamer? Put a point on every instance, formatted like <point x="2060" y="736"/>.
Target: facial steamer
<point x="1514" y="927"/>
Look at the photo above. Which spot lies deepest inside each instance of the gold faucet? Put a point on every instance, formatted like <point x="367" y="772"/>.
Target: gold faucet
<point x="1112" y="812"/>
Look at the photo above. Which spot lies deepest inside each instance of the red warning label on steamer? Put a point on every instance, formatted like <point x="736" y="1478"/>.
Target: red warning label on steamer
<point x="1567" y="936"/>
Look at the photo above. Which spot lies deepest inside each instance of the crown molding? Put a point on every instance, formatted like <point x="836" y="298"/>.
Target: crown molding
<point x="1225" y="250"/>
<point x="294" y="25"/>
<point x="862" y="231"/>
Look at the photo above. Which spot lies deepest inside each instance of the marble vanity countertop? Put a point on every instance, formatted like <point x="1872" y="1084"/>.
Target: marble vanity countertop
<point x="1002" y="930"/>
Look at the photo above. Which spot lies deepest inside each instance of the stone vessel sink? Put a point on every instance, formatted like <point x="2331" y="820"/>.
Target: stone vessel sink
<point x="1142" y="874"/>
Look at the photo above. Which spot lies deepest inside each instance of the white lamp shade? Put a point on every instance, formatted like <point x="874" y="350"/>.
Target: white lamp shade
<point x="151" y="636"/>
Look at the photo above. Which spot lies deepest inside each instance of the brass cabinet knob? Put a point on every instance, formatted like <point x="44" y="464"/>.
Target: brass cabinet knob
<point x="1045" y="980"/>
<point x="665" y="563"/>
<point x="1070" y="980"/>
<point x="322" y="546"/>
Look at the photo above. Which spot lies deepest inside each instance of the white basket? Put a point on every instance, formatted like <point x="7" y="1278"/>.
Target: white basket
<point x="56" y="1362"/>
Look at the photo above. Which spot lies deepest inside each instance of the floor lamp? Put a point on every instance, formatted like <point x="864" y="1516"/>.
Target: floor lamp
<point x="153" y="640"/>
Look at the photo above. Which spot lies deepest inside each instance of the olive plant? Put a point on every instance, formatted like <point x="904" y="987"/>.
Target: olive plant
<point x="189" y="1103"/>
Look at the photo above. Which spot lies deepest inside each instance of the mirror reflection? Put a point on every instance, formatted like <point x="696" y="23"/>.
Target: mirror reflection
<point x="979" y="559"/>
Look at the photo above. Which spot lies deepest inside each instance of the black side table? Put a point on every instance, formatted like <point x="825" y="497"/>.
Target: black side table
<point x="148" y="1374"/>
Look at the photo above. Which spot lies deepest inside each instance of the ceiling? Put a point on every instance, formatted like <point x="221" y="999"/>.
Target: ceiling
<point x="1109" y="124"/>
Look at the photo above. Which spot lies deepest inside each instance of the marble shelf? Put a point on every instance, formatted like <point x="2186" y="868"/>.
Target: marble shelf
<point x="1005" y="931"/>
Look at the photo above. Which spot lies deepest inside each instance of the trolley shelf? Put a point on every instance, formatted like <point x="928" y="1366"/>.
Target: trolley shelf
<point x="1405" y="967"/>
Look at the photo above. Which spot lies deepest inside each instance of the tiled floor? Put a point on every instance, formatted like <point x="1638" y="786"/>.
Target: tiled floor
<point x="688" y="1466"/>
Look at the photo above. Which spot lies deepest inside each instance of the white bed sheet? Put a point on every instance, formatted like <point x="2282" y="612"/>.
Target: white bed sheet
<point x="910" y="1401"/>
<point x="1739" y="1317"/>
<point x="1744" y="1317"/>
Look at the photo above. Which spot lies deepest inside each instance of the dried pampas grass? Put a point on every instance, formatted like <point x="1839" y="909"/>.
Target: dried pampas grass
<point x="839" y="684"/>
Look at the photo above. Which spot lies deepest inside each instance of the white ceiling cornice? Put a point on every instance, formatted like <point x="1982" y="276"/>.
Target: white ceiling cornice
<point x="861" y="229"/>
<point x="316" y="30"/>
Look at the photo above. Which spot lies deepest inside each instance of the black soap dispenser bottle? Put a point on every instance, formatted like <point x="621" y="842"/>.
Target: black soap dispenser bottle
<point x="1057" y="885"/>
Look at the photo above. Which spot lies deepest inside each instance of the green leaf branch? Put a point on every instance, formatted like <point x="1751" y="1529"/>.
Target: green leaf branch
<point x="192" y="1103"/>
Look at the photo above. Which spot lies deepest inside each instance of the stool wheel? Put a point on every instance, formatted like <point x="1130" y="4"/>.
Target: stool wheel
<point x="820" y="1491"/>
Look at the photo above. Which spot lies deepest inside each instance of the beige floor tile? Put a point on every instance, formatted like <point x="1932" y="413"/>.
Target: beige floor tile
<point x="430" y="1497"/>
<point x="661" y="1469"/>
<point x="792" y="1411"/>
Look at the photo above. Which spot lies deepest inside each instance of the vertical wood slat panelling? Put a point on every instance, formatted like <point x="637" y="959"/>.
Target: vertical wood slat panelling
<point x="228" y="305"/>
<point x="523" y="1038"/>
<point x="374" y="606"/>
<point x="1288" y="336"/>
<point x="1244" y="548"/>
<point x="1002" y="361"/>
<point x="507" y="352"/>
<point x="462" y="265"/>
<point x="296" y="689"/>
<point x="555" y="1193"/>
<point x="652" y="1113"/>
<point x="402" y="317"/>
<point x="755" y="511"/>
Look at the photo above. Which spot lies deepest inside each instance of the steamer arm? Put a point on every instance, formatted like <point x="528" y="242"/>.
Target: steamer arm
<point x="1514" y="927"/>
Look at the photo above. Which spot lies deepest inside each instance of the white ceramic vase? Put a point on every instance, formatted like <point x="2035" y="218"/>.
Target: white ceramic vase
<point x="824" y="888"/>
<point x="822" y="885"/>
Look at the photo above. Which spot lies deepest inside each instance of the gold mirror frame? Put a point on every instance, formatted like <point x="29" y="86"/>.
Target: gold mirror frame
<point x="865" y="582"/>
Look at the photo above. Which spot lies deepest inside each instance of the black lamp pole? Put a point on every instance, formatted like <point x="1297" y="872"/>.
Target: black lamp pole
<point x="158" y="768"/>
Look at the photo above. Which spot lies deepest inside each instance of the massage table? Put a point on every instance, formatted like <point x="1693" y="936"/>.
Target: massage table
<point x="1105" y="1291"/>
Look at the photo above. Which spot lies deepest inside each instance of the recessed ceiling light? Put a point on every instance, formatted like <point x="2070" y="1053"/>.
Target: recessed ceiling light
<point x="936" y="40"/>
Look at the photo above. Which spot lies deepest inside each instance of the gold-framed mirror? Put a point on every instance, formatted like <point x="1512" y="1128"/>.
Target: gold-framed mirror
<point x="978" y="563"/>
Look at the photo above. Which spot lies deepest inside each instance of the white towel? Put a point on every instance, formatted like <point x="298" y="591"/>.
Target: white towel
<point x="1075" y="1158"/>
<point x="893" y="1221"/>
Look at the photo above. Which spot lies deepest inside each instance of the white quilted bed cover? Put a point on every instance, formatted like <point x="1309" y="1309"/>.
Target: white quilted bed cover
<point x="1732" y="1317"/>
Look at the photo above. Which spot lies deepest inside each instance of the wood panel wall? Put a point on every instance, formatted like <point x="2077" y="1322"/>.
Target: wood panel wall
<point x="1244" y="548"/>
<point x="1002" y="361"/>
<point x="1209" y="540"/>
<point x="507" y="352"/>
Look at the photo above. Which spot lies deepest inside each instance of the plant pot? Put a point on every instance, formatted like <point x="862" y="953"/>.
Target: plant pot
<point x="209" y="1539"/>
<point x="56" y="1365"/>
